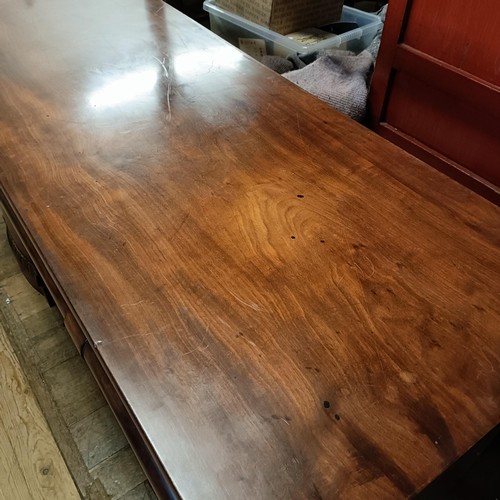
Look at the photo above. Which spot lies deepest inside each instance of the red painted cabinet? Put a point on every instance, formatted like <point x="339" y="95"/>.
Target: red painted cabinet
<point x="436" y="86"/>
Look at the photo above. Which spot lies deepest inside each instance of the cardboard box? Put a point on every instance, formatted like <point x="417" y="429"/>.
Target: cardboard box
<point x="285" y="16"/>
<point x="258" y="40"/>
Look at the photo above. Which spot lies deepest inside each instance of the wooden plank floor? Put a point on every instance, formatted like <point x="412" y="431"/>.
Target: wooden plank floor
<point x="31" y="466"/>
<point x="90" y="441"/>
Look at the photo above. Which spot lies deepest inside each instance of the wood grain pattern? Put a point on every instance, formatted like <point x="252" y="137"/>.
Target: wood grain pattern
<point x="285" y="304"/>
<point x="31" y="466"/>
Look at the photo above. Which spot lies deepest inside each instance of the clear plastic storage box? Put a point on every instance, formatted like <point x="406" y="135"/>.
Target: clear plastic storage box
<point x="258" y="40"/>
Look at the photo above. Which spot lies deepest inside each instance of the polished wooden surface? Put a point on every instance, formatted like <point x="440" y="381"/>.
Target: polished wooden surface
<point x="286" y="304"/>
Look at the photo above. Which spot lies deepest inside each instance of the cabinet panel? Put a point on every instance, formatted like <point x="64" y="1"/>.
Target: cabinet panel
<point x="436" y="87"/>
<point x="450" y="126"/>
<point x="462" y="33"/>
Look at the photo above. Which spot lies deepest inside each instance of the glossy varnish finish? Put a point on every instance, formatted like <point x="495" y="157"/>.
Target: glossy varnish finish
<point x="282" y="301"/>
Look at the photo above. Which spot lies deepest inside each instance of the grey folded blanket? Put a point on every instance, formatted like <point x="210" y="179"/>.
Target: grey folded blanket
<point x="338" y="78"/>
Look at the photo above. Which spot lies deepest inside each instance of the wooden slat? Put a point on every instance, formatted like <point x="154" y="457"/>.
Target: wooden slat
<point x="442" y="163"/>
<point x="31" y="466"/>
<point x="438" y="119"/>
<point x="461" y="33"/>
<point x="465" y="87"/>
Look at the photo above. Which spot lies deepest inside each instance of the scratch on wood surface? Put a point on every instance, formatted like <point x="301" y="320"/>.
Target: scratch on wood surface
<point x="338" y="279"/>
<point x="179" y="227"/>
<point x="132" y="304"/>
<point x="133" y="335"/>
<point x="225" y="323"/>
<point x="372" y="265"/>
<point x="252" y="305"/>
<point x="251" y="342"/>
<point x="199" y="347"/>
<point x="366" y="409"/>
<point x="169" y="86"/>
<point x="372" y="272"/>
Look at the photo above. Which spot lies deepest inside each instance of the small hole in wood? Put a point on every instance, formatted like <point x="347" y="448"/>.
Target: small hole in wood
<point x="326" y="404"/>
<point x="293" y="237"/>
<point x="321" y="241"/>
<point x="300" y="196"/>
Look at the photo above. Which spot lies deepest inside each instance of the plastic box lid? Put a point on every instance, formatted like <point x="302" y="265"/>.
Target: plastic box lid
<point x="365" y="20"/>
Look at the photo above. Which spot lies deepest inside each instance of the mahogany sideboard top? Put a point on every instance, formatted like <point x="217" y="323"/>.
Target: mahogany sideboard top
<point x="284" y="304"/>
